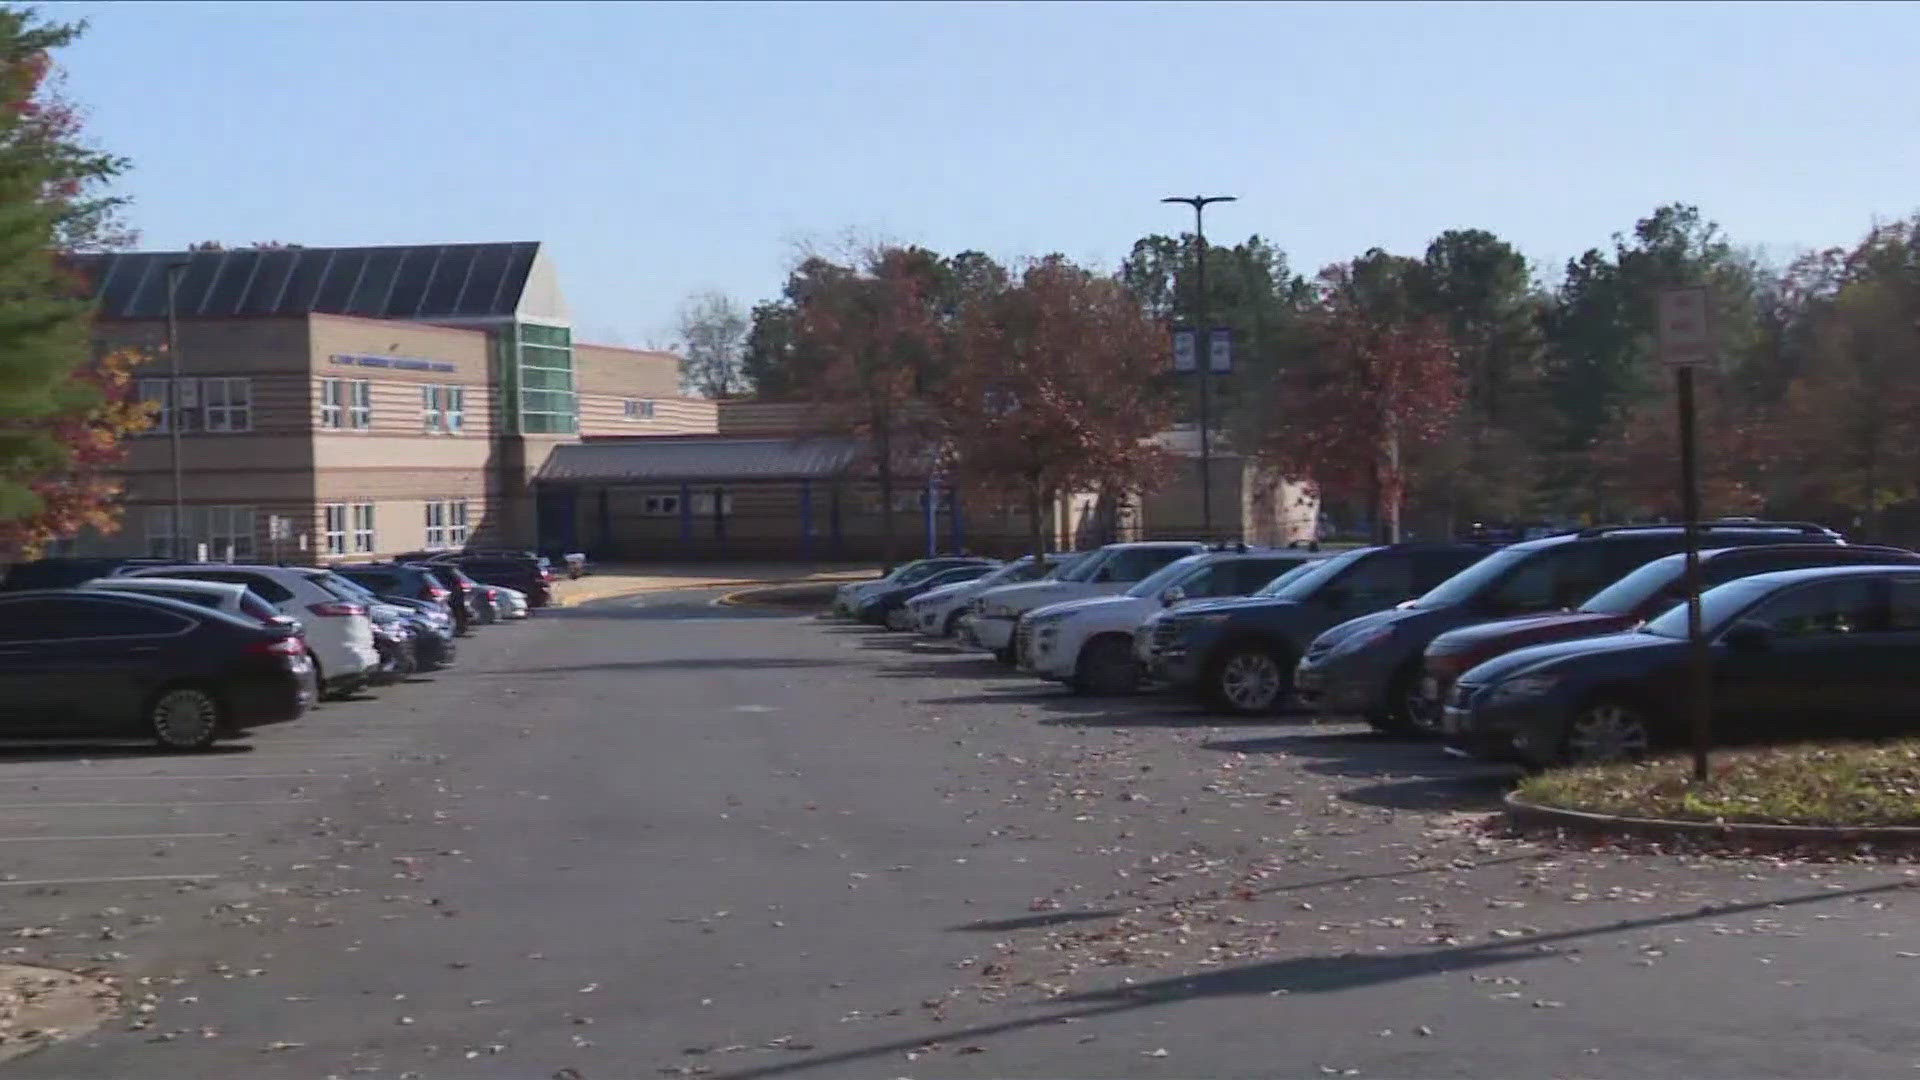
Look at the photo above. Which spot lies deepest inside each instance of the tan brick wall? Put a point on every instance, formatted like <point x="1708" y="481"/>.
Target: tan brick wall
<point x="617" y="372"/>
<point x="766" y="417"/>
<point x="602" y="415"/>
<point x="338" y="335"/>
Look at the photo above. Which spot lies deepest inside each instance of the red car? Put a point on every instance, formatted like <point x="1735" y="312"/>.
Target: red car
<point x="1633" y="599"/>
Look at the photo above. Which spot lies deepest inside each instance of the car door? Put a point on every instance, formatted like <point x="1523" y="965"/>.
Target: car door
<point x="1897" y="656"/>
<point x="29" y="629"/>
<point x="95" y="661"/>
<point x="1819" y="674"/>
<point x="1375" y="583"/>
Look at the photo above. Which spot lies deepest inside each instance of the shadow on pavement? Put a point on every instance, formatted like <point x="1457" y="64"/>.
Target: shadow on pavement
<point x="46" y="750"/>
<point x="1307" y="975"/>
<point x="1415" y="775"/>
<point x="707" y="664"/>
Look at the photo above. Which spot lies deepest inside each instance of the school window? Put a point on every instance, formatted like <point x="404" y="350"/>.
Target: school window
<point x="447" y="524"/>
<point x="227" y="532"/>
<point x="159" y="395"/>
<point x="639" y="409"/>
<point x="359" y="404"/>
<point x="333" y="528"/>
<point x="443" y="409"/>
<point x="228" y="404"/>
<point x="362" y="528"/>
<point x="333" y="399"/>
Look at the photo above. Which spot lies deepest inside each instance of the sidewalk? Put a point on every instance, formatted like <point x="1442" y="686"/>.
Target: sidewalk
<point x="623" y="580"/>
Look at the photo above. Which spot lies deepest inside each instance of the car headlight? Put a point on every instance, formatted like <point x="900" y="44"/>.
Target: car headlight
<point x="1521" y="686"/>
<point x="997" y="611"/>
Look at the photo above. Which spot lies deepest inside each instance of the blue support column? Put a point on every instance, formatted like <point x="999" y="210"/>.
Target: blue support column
<point x="686" y="518"/>
<point x="833" y="521"/>
<point x="933" y="516"/>
<point x="720" y="515"/>
<point x="606" y="523"/>
<point x="806" y="520"/>
<point x="954" y="523"/>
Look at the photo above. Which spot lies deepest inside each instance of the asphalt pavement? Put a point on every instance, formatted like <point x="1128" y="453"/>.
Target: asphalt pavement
<point x="651" y="836"/>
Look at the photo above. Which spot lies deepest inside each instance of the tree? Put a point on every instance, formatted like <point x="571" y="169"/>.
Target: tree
<point x="874" y="332"/>
<point x="1377" y="383"/>
<point x="50" y="201"/>
<point x="81" y="493"/>
<point x="1056" y="386"/>
<point x="713" y="331"/>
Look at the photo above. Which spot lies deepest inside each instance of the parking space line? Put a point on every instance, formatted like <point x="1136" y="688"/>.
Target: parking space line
<point x="150" y="806"/>
<point x="115" y="836"/>
<point x="113" y="880"/>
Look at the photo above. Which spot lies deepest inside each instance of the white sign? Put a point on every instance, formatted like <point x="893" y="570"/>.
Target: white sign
<point x="1184" y="347"/>
<point x="1686" y="329"/>
<point x="1220" y="350"/>
<point x="279" y="527"/>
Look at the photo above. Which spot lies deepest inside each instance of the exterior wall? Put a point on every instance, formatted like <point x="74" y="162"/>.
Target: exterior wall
<point x="607" y="415"/>
<point x="767" y="418"/>
<point x="613" y="371"/>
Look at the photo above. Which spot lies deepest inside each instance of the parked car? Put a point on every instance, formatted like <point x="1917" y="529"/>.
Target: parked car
<point x="66" y="572"/>
<point x="1106" y="571"/>
<point x="339" y="633"/>
<point x="392" y="580"/>
<point x="1372" y="665"/>
<point x="1811" y="653"/>
<point x="527" y="573"/>
<point x="1088" y="644"/>
<point x="887" y="607"/>
<point x="472" y="602"/>
<point x="233" y="599"/>
<point x="428" y="640"/>
<point x="1633" y="599"/>
<point x="99" y="663"/>
<point x="513" y="603"/>
<point x="846" y="598"/>
<point x="1238" y="655"/>
<point x="938" y="612"/>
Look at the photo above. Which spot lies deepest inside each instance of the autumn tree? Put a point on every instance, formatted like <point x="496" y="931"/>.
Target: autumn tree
<point x="82" y="492"/>
<point x="712" y="331"/>
<point x="1377" y="383"/>
<point x="874" y="331"/>
<point x="51" y="201"/>
<point x="1055" y="387"/>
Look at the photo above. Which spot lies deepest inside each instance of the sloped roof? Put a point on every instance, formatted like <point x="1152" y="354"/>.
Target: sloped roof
<point x="698" y="459"/>
<point x="409" y="281"/>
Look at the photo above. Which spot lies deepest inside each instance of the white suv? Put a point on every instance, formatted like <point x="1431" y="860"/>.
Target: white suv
<point x="937" y="612"/>
<point x="1088" y="644"/>
<point x="1104" y="572"/>
<point x="339" y="633"/>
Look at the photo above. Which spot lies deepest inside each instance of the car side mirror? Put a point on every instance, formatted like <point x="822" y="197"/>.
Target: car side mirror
<point x="1173" y="595"/>
<point x="1749" y="637"/>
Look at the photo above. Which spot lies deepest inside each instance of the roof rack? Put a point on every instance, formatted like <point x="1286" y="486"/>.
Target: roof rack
<point x="1805" y="528"/>
<point x="1238" y="547"/>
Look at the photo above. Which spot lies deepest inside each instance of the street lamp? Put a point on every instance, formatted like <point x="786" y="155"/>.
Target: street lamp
<point x="175" y="414"/>
<point x="1203" y="359"/>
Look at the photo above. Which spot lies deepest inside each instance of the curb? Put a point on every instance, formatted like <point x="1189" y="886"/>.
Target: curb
<point x="779" y="592"/>
<point x="1529" y="815"/>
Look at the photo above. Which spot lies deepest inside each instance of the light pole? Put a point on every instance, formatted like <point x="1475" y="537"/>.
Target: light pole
<point x="1203" y="358"/>
<point x="175" y="414"/>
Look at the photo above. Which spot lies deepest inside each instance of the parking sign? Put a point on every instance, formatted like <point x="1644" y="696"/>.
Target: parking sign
<point x="1685" y="332"/>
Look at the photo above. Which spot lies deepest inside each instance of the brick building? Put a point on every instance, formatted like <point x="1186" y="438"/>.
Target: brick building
<point x="377" y="399"/>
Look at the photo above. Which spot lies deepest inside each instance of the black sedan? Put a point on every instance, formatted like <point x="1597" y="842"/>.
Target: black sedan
<point x="1828" y="651"/>
<point x="123" y="665"/>
<point x="876" y="607"/>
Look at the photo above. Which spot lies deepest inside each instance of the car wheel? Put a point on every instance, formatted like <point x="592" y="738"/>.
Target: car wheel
<point x="1608" y="731"/>
<point x="1106" y="668"/>
<point x="1399" y="715"/>
<point x="1250" y="680"/>
<point x="1005" y="656"/>
<point x="184" y="718"/>
<point x="952" y="625"/>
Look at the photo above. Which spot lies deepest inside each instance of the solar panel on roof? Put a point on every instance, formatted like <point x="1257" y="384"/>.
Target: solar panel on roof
<point x="401" y="281"/>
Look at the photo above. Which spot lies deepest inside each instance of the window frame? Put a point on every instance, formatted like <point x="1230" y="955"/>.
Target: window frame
<point x="333" y="413"/>
<point x="360" y="519"/>
<point x="359" y="404"/>
<point x="333" y="528"/>
<point x="234" y="411"/>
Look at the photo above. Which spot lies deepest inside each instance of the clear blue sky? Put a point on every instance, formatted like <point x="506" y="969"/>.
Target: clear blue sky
<point x="664" y="148"/>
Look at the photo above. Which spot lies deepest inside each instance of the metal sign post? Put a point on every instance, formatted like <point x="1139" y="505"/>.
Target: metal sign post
<point x="1686" y="342"/>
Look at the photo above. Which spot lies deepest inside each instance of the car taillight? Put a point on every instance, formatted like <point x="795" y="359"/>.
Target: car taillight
<point x="546" y="576"/>
<point x="335" y="609"/>
<point x="286" y="646"/>
<point x="493" y="594"/>
<point x="435" y="592"/>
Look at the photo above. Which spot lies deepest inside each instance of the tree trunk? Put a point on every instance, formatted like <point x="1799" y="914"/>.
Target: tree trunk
<point x="1036" y="534"/>
<point x="885" y="440"/>
<point x="1395" y="489"/>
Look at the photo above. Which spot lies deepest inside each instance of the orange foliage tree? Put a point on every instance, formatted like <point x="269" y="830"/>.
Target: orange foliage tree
<point x="1055" y="386"/>
<point x="82" y="493"/>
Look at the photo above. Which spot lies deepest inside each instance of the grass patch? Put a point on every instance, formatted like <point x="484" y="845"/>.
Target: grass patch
<point x="1823" y="784"/>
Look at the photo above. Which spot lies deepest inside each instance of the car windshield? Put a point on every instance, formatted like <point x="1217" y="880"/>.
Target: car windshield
<point x="1084" y="569"/>
<point x="1289" y="575"/>
<point x="916" y="573"/>
<point x="1058" y="564"/>
<point x="1717" y="605"/>
<point x="1300" y="582"/>
<point x="1166" y="577"/>
<point x="257" y="608"/>
<point x="343" y="587"/>
<point x="1471" y="582"/>
<point x="1633" y="592"/>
